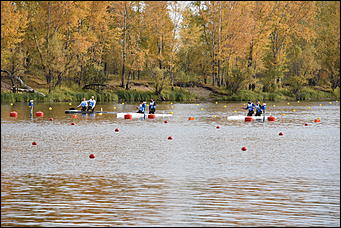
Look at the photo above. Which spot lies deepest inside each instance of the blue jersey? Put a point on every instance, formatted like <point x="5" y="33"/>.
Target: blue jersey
<point x="250" y="107"/>
<point x="84" y="104"/>
<point x="259" y="107"/>
<point x="152" y="105"/>
<point x="142" y="107"/>
<point x="92" y="103"/>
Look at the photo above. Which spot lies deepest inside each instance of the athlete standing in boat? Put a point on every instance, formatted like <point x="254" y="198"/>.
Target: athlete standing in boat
<point x="83" y="104"/>
<point x="92" y="104"/>
<point x="152" y="106"/>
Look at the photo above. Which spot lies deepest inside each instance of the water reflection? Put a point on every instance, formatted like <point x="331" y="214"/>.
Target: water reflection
<point x="139" y="200"/>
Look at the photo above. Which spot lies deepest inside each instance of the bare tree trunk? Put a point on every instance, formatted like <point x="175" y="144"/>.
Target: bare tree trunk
<point x="124" y="45"/>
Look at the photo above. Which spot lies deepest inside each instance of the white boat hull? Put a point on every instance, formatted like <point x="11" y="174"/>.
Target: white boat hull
<point x="243" y="117"/>
<point x="141" y="115"/>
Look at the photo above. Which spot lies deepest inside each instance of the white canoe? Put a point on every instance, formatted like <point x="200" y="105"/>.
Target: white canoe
<point x="141" y="115"/>
<point x="243" y="117"/>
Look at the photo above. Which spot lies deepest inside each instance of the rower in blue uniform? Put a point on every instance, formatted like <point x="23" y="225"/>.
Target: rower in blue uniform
<point x="259" y="109"/>
<point x="152" y="106"/>
<point x="250" y="106"/>
<point x="91" y="104"/>
<point x="142" y="107"/>
<point x="83" y="104"/>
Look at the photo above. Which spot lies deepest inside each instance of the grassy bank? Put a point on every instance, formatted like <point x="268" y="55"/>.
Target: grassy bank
<point x="119" y="95"/>
<point x="74" y="94"/>
<point x="306" y="93"/>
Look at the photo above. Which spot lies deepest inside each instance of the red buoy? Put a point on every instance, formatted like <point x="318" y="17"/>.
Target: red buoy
<point x="170" y="137"/>
<point x="74" y="116"/>
<point x="50" y="119"/>
<point x="39" y="114"/>
<point x="13" y="114"/>
<point x="191" y="118"/>
<point x="91" y="156"/>
<point x="73" y="124"/>
<point x="151" y="116"/>
<point x="166" y="121"/>
<point x="117" y="130"/>
<point x="280" y="134"/>
<point x="244" y="148"/>
<point x="217" y="127"/>
<point x="34" y="143"/>
<point x="306" y="124"/>
<point x="128" y="116"/>
<point x="248" y="119"/>
<point x="271" y="118"/>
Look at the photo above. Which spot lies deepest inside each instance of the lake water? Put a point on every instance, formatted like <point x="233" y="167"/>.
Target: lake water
<point x="200" y="178"/>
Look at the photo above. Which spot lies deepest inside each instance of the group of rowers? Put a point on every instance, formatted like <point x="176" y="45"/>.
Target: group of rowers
<point x="259" y="108"/>
<point x="89" y="106"/>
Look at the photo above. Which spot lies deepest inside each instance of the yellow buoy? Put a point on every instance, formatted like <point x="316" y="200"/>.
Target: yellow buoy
<point x="288" y="103"/>
<point x="171" y="112"/>
<point x="214" y="116"/>
<point x="171" y="102"/>
<point x="201" y="109"/>
<point x="273" y="105"/>
<point x="309" y="107"/>
<point x="294" y="110"/>
<point x="50" y="108"/>
<point x="11" y="104"/>
<point x="122" y="102"/>
<point x="216" y="102"/>
<point x="70" y="103"/>
<point x="225" y="106"/>
<point x="330" y="102"/>
<point x="197" y="104"/>
<point x="235" y="111"/>
<point x="114" y="107"/>
<point x="298" y="101"/>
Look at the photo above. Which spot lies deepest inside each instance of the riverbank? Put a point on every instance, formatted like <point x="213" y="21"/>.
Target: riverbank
<point x="185" y="93"/>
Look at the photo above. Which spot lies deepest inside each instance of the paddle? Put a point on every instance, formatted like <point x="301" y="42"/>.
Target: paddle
<point x="263" y="115"/>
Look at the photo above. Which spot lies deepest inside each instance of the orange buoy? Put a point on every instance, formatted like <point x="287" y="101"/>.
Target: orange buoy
<point x="117" y="130"/>
<point x="248" y="119"/>
<point x="166" y="121"/>
<point x="244" y="148"/>
<point x="39" y="114"/>
<point x="34" y="143"/>
<point x="317" y="120"/>
<point x="91" y="156"/>
<point x="74" y="116"/>
<point x="281" y="134"/>
<point x="13" y="114"/>
<point x="271" y="118"/>
<point x="128" y="116"/>
<point x="191" y="118"/>
<point x="170" y="137"/>
<point x="151" y="116"/>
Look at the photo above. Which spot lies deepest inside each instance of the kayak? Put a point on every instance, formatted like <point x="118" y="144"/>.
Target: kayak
<point x="141" y="115"/>
<point x="86" y="112"/>
<point x="243" y="117"/>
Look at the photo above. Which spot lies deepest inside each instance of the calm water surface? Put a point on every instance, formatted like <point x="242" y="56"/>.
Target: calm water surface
<point x="200" y="178"/>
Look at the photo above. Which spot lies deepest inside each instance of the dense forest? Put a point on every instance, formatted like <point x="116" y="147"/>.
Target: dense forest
<point x="232" y="46"/>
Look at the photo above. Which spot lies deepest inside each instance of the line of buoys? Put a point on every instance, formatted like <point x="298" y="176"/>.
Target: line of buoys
<point x="91" y="156"/>
<point x="128" y="116"/>
<point x="117" y="130"/>
<point x="13" y="114"/>
<point x="170" y="138"/>
<point x="191" y="118"/>
<point x="34" y="143"/>
<point x="244" y="148"/>
<point x="151" y="116"/>
<point x="39" y="114"/>
<point x="248" y="119"/>
<point x="271" y="118"/>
